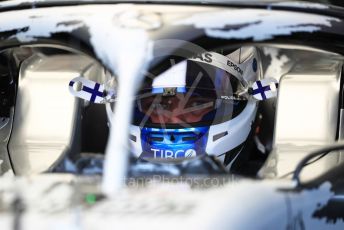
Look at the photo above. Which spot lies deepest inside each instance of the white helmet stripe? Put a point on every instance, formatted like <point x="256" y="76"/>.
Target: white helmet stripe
<point x="221" y="62"/>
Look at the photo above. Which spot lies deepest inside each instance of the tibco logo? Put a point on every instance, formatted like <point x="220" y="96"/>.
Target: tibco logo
<point x="160" y="153"/>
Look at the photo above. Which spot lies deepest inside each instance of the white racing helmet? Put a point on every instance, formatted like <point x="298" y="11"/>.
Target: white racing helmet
<point x="198" y="106"/>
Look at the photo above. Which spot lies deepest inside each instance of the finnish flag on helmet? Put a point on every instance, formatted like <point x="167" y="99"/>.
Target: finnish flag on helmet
<point x="264" y="89"/>
<point x="87" y="90"/>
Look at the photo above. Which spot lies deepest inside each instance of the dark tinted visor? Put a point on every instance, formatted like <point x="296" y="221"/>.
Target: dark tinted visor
<point x="207" y="95"/>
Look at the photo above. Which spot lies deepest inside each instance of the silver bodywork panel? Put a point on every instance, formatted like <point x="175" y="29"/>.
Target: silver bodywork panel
<point x="306" y="116"/>
<point x="45" y="117"/>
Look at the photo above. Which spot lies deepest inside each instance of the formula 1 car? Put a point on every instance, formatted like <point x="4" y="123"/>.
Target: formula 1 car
<point x="144" y="114"/>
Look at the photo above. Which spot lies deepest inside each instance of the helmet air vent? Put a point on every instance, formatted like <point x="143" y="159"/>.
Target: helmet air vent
<point x="219" y="135"/>
<point x="172" y="138"/>
<point x="190" y="138"/>
<point x="132" y="137"/>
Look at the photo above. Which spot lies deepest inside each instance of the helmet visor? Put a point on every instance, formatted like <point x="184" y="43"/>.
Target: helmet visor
<point x="189" y="94"/>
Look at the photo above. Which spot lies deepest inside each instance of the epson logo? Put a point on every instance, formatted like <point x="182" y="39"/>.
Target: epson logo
<point x="160" y="153"/>
<point x="237" y="68"/>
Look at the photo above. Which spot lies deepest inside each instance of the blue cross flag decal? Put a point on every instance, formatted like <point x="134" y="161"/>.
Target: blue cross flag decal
<point x="264" y="89"/>
<point x="87" y="90"/>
